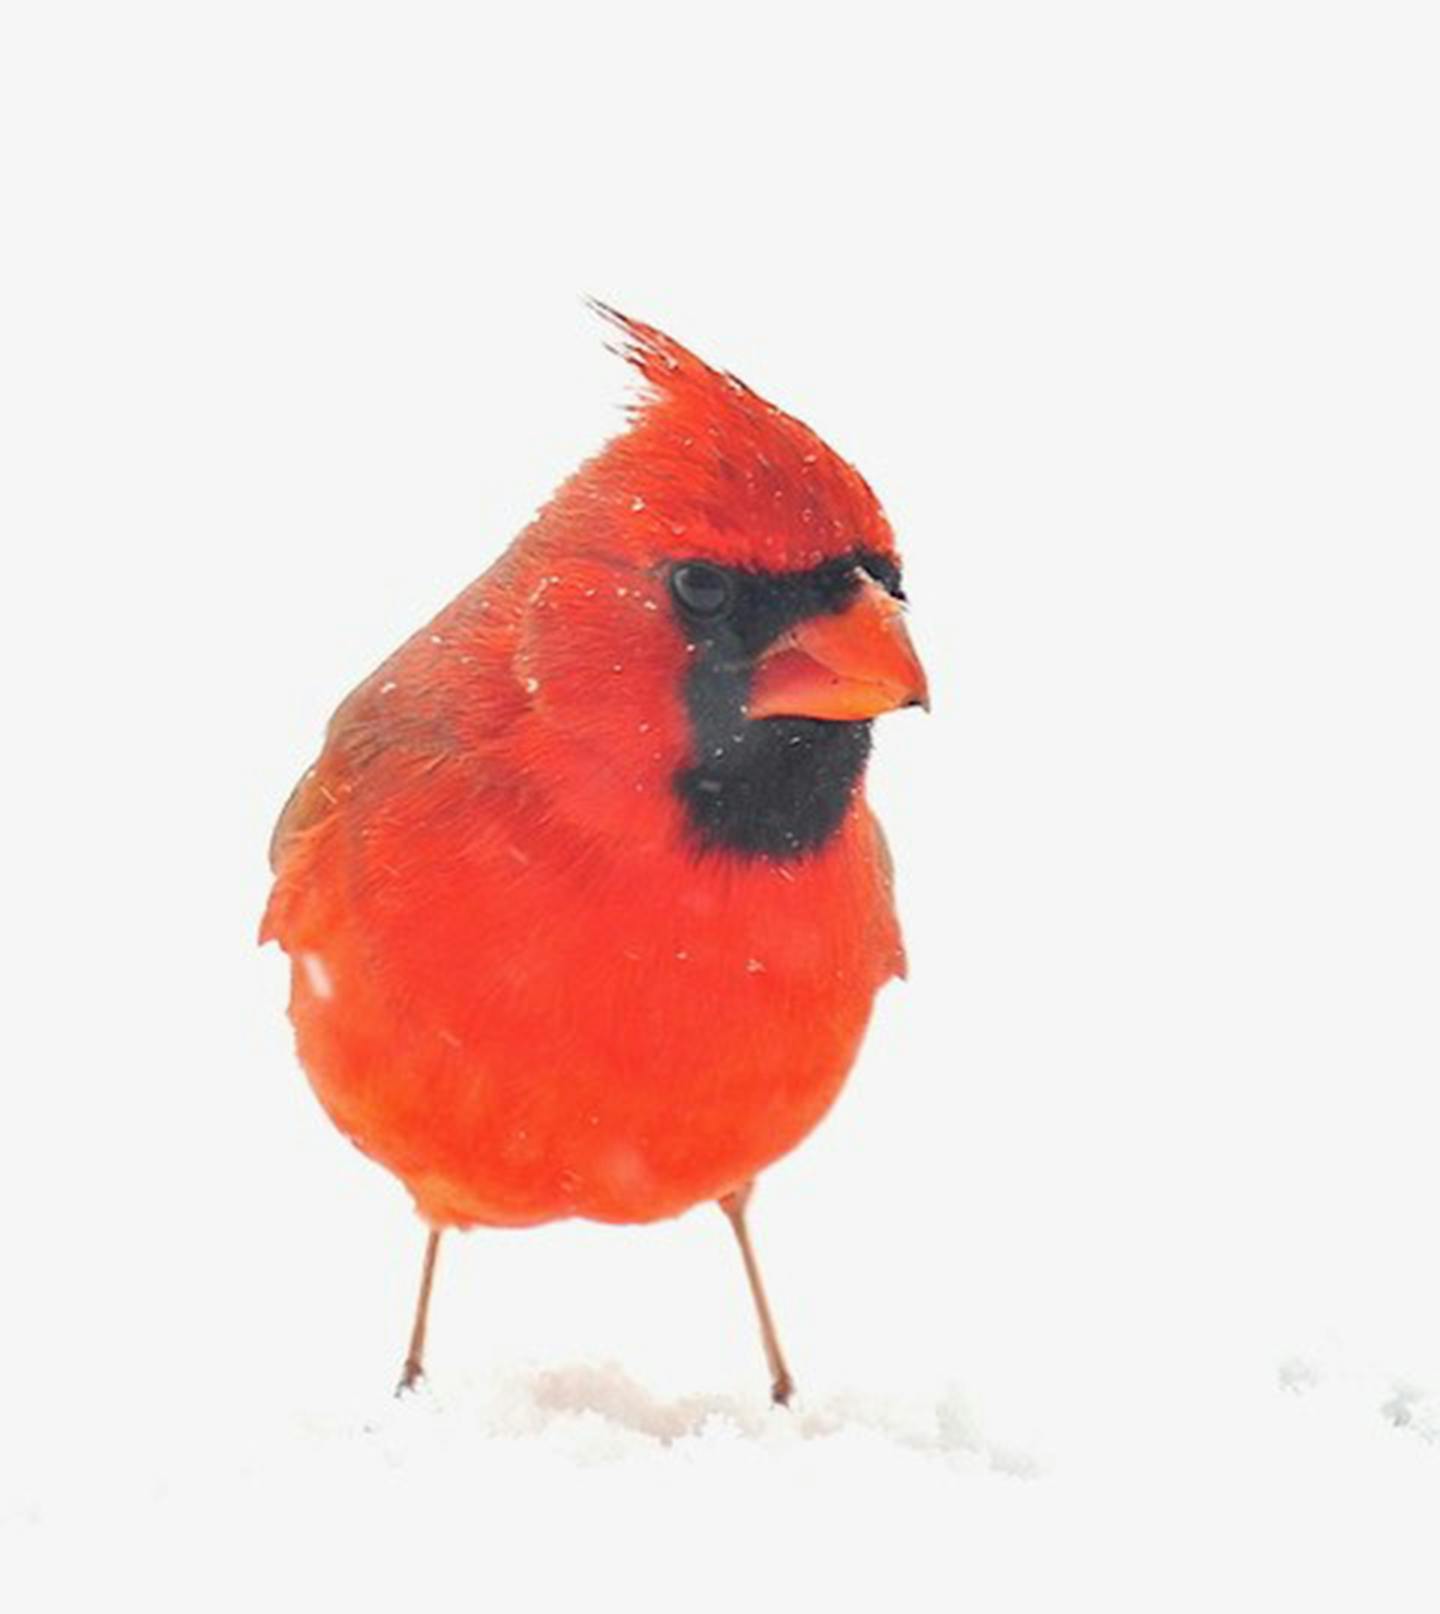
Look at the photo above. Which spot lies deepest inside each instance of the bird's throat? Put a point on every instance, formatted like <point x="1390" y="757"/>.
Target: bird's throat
<point x="777" y="788"/>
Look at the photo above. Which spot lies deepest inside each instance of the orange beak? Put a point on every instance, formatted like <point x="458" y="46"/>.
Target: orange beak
<point x="856" y="664"/>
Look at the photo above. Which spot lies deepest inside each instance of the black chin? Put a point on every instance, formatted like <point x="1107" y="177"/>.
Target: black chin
<point x="779" y="787"/>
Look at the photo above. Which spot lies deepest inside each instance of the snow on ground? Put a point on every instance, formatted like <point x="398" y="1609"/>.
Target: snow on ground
<point x="574" y="1486"/>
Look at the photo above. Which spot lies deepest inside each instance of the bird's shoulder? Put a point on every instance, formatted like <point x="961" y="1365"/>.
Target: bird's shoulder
<point x="439" y="712"/>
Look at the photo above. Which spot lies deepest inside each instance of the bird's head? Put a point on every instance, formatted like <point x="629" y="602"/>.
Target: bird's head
<point x="712" y="612"/>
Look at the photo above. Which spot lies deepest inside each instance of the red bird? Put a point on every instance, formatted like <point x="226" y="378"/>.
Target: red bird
<point x="585" y="906"/>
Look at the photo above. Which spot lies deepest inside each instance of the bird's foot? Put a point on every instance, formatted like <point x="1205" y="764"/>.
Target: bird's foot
<point x="412" y="1376"/>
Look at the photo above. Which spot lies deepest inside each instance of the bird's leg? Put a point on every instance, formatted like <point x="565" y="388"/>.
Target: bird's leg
<point x="782" y="1386"/>
<point x="414" y="1369"/>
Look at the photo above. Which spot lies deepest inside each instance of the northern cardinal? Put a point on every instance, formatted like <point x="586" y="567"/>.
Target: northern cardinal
<point x="585" y="907"/>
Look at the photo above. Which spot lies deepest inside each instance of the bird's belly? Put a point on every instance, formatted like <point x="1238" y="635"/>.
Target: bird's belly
<point x="649" y="1053"/>
<point x="632" y="1097"/>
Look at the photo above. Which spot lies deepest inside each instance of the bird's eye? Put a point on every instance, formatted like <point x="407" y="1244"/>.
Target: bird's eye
<point x="703" y="591"/>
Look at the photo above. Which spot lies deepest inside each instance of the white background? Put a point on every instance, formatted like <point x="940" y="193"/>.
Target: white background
<point x="1112" y="1278"/>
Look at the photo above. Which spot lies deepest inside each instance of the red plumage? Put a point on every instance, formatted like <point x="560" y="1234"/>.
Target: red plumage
<point x="520" y="981"/>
